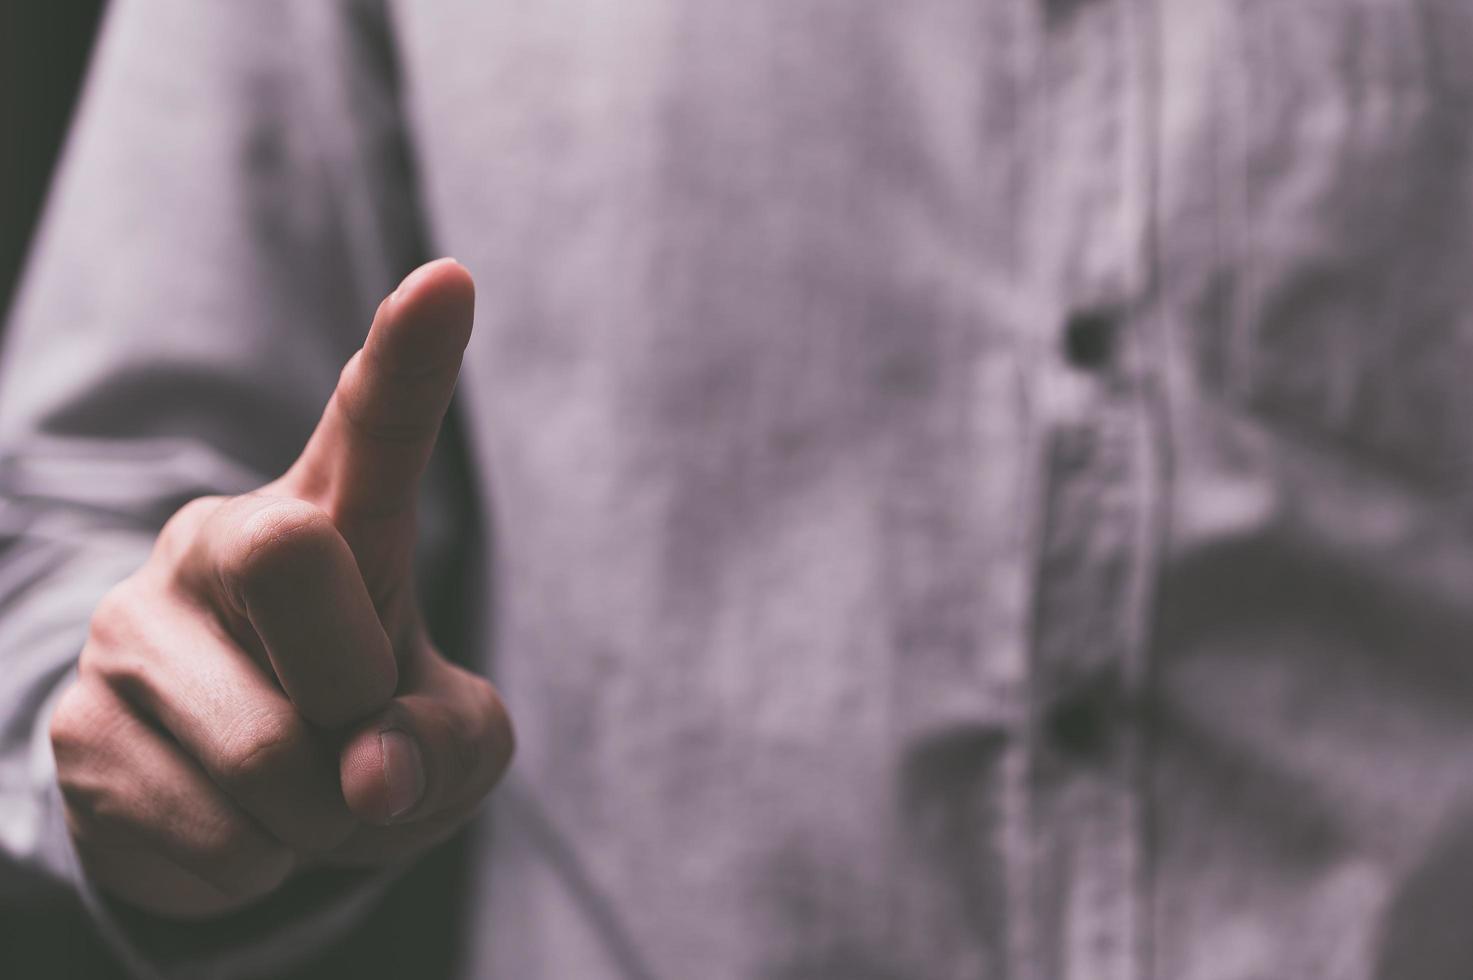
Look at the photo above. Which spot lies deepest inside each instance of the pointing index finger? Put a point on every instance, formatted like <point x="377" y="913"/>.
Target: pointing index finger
<point x="367" y="454"/>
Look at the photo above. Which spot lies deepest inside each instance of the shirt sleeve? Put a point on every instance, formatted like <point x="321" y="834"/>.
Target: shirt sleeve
<point x="235" y="197"/>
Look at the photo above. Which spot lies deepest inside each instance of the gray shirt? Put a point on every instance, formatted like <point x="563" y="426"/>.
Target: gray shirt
<point x="968" y="488"/>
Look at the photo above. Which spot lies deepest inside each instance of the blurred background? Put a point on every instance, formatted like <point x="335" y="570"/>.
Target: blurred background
<point x="43" y="55"/>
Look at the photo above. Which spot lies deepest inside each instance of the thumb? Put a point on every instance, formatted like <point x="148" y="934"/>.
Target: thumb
<point x="365" y="458"/>
<point x="435" y="750"/>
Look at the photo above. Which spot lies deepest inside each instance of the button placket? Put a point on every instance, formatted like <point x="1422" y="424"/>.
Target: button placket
<point x="1096" y="527"/>
<point x="1088" y="607"/>
<point x="1081" y="725"/>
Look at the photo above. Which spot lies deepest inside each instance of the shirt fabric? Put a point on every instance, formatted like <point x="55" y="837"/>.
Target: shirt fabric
<point x="967" y="488"/>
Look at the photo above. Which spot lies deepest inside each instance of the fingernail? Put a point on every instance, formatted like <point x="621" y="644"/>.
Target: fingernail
<point x="404" y="772"/>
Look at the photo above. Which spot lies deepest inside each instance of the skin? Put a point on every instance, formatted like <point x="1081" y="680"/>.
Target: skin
<point x="262" y="696"/>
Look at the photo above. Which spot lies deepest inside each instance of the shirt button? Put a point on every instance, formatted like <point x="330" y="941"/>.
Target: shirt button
<point x="1057" y="11"/>
<point x="1089" y="338"/>
<point x="1080" y="723"/>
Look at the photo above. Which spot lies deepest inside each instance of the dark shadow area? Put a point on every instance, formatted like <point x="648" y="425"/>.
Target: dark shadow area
<point x="43" y="54"/>
<point x="1427" y="934"/>
<point x="46" y="935"/>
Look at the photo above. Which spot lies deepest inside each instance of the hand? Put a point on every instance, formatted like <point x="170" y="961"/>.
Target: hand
<point x="262" y="694"/>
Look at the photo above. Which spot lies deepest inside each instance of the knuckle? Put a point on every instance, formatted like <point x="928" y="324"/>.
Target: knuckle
<point x="117" y="618"/>
<point x="121" y="650"/>
<point x="260" y="748"/>
<point x="72" y="722"/>
<point x="98" y="810"/>
<point x="122" y="647"/>
<point x="280" y="537"/>
<point x="239" y="862"/>
<point x="180" y="529"/>
<point x="123" y="664"/>
<point x="98" y="791"/>
<point x="81" y="725"/>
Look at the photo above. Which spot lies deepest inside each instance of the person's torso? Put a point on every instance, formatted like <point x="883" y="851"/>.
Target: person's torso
<point x="976" y="489"/>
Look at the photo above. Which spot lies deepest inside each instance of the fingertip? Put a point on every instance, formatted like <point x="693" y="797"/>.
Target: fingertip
<point x="446" y="278"/>
<point x="426" y="322"/>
